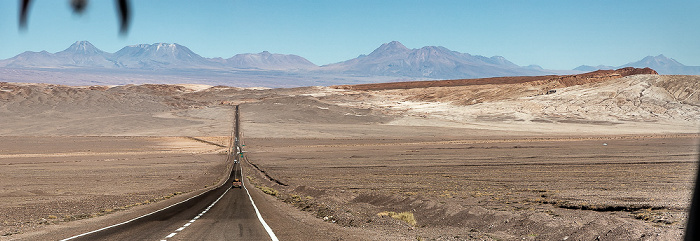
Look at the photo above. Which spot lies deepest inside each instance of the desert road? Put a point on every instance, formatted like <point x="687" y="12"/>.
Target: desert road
<point x="224" y="213"/>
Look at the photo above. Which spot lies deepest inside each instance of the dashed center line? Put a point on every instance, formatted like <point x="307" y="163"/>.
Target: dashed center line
<point x="195" y="218"/>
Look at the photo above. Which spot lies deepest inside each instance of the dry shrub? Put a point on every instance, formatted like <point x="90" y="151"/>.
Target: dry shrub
<point x="402" y="216"/>
<point x="268" y="190"/>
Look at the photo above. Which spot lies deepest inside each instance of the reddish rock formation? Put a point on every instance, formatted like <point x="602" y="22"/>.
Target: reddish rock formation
<point x="566" y="80"/>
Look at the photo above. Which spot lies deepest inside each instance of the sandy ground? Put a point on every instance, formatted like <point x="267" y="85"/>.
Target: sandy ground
<point x="613" y="159"/>
<point x="493" y="188"/>
<point x="53" y="180"/>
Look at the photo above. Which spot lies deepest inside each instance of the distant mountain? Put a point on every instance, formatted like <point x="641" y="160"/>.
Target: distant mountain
<point x="394" y="59"/>
<point x="30" y="59"/>
<point x="84" y="54"/>
<point x="159" y="56"/>
<point x="665" y="65"/>
<point x="660" y="63"/>
<point x="534" y="66"/>
<point x="588" y="68"/>
<point x="80" y="54"/>
<point x="84" y="63"/>
<point x="83" y="48"/>
<point x="267" y="60"/>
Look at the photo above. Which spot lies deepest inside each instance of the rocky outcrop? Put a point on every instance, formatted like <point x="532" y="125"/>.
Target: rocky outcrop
<point x="557" y="80"/>
<point x="601" y="75"/>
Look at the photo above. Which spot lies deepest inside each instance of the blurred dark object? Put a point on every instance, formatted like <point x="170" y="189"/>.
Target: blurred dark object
<point x="692" y="229"/>
<point x="124" y="15"/>
<point x="78" y="7"/>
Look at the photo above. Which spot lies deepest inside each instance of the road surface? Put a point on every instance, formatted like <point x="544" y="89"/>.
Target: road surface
<point x="224" y="213"/>
<point x="232" y="218"/>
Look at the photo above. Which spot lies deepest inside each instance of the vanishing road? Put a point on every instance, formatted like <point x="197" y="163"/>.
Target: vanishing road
<point x="224" y="213"/>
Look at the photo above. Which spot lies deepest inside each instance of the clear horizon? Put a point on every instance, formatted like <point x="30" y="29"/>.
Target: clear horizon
<point x="552" y="34"/>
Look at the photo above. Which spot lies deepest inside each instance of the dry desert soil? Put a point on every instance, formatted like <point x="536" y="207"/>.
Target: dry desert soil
<point x="607" y="156"/>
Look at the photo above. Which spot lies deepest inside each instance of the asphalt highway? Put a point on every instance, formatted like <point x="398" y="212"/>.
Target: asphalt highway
<point x="232" y="218"/>
<point x="224" y="213"/>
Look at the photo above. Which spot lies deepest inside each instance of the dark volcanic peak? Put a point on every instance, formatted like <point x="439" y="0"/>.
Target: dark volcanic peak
<point x="267" y="60"/>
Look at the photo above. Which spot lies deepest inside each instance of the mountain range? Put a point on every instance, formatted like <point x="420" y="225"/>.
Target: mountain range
<point x="394" y="59"/>
<point x="660" y="63"/>
<point x="390" y="62"/>
<point x="390" y="59"/>
<point x="158" y="56"/>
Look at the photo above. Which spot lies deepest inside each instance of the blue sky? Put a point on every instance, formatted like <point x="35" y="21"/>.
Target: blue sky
<point x="557" y="34"/>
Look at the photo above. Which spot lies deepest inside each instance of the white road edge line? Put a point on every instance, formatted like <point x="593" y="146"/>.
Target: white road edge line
<point x="136" y="218"/>
<point x="262" y="221"/>
<point x="195" y="218"/>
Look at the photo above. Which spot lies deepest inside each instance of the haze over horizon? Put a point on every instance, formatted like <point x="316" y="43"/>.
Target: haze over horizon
<point x="552" y="34"/>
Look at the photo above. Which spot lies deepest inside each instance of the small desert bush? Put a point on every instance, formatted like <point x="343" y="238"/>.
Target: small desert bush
<point x="403" y="216"/>
<point x="644" y="214"/>
<point x="268" y="190"/>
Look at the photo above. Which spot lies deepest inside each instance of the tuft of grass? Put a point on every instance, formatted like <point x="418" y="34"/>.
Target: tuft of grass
<point x="402" y="216"/>
<point x="268" y="190"/>
<point x="52" y="217"/>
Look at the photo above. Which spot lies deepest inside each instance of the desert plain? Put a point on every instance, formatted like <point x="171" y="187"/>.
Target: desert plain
<point x="605" y="156"/>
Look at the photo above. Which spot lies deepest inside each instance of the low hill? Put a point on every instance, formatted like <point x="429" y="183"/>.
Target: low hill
<point x="562" y="80"/>
<point x="614" y="101"/>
